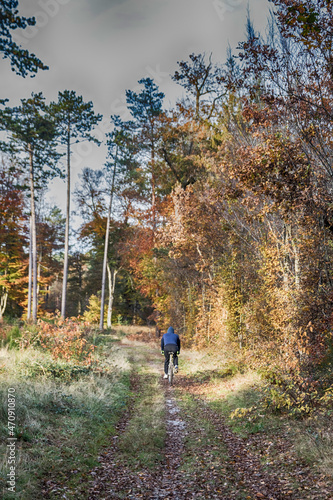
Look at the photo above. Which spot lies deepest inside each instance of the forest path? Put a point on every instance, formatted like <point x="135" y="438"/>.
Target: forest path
<point x="200" y="457"/>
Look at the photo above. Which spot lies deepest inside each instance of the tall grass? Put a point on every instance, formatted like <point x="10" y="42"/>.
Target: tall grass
<point x="314" y="442"/>
<point x="63" y="415"/>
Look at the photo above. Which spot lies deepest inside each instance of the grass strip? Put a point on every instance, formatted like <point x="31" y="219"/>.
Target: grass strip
<point x="143" y="441"/>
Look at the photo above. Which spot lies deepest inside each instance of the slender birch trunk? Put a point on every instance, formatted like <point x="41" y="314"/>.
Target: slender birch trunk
<point x="297" y="265"/>
<point x="112" y="274"/>
<point x="65" y="274"/>
<point x="34" y="238"/>
<point x="3" y="304"/>
<point x="106" y="246"/>
<point x="30" y="272"/>
<point x="153" y="189"/>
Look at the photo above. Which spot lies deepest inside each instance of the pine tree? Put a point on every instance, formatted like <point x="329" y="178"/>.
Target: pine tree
<point x="146" y="110"/>
<point x="32" y="136"/>
<point x="21" y="60"/>
<point x="75" y="120"/>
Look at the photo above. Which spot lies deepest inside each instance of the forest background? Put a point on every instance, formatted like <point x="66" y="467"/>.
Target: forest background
<point x="218" y="210"/>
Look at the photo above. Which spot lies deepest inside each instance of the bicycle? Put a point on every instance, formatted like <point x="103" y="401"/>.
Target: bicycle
<point x="171" y="368"/>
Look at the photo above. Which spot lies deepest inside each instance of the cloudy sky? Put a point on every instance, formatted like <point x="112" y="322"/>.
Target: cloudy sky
<point x="100" y="48"/>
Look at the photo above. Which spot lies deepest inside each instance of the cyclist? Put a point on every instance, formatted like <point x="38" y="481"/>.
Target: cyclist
<point x="170" y="343"/>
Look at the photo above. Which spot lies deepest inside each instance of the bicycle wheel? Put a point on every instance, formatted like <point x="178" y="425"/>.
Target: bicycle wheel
<point x="170" y="370"/>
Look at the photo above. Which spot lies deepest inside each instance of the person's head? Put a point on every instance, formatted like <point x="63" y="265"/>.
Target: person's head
<point x="171" y="330"/>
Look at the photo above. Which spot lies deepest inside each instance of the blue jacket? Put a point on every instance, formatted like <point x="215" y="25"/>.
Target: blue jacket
<point x="170" y="338"/>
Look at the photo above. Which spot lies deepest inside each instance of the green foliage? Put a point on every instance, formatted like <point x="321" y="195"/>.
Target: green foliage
<point x="298" y="396"/>
<point x="55" y="370"/>
<point x="33" y="132"/>
<point x="65" y="414"/>
<point x="74" y="118"/>
<point x="21" y="61"/>
<point x="13" y="337"/>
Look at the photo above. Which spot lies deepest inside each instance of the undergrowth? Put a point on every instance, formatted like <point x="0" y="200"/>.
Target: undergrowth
<point x="65" y="408"/>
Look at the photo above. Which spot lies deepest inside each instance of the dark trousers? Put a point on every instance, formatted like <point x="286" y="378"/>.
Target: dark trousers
<point x="170" y="348"/>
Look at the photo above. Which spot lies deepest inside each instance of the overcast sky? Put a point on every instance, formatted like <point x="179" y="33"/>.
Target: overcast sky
<point x="100" y="48"/>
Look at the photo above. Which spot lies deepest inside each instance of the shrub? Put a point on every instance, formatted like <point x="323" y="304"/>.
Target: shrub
<point x="65" y="339"/>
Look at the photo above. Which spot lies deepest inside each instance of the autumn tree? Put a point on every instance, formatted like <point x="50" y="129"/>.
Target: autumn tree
<point x="200" y="78"/>
<point x="94" y="197"/>
<point x="32" y="136"/>
<point x="287" y="82"/>
<point x="50" y="236"/>
<point x="13" y="221"/>
<point x="113" y="144"/>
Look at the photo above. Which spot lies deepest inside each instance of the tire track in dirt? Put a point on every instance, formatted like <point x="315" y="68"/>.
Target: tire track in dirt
<point x="247" y="469"/>
<point x="247" y="465"/>
<point x="239" y="476"/>
<point x="170" y="481"/>
<point x="114" y="480"/>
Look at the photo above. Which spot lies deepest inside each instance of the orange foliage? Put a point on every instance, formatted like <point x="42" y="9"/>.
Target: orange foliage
<point x="65" y="339"/>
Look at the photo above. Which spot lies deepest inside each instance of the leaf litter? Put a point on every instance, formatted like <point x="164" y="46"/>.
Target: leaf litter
<point x="255" y="467"/>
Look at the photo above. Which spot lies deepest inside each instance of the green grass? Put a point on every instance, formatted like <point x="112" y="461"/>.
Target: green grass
<point x="241" y="398"/>
<point x="313" y="439"/>
<point x="61" y="422"/>
<point x="143" y="442"/>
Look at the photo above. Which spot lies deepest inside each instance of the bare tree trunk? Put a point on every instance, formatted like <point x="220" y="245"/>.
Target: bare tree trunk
<point x="153" y="188"/>
<point x="297" y="265"/>
<point x="112" y="274"/>
<point x="286" y="256"/>
<point x="106" y="247"/>
<point x="34" y="238"/>
<point x="3" y="303"/>
<point x="65" y="275"/>
<point x="30" y="273"/>
<point x="209" y="320"/>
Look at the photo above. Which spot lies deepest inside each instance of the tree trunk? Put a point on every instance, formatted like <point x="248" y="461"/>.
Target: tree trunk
<point x="297" y="265"/>
<point x="286" y="255"/>
<point x="30" y="273"/>
<point x="39" y="272"/>
<point x="209" y="320"/>
<point x="65" y="275"/>
<point x="106" y="247"/>
<point x="3" y="303"/>
<point x="153" y="188"/>
<point x="112" y="274"/>
<point x="34" y="238"/>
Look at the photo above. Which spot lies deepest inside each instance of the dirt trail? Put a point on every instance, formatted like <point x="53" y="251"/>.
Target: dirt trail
<point x="114" y="480"/>
<point x="247" y="468"/>
<point x="296" y="482"/>
<point x="239" y="476"/>
<point x="170" y="481"/>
